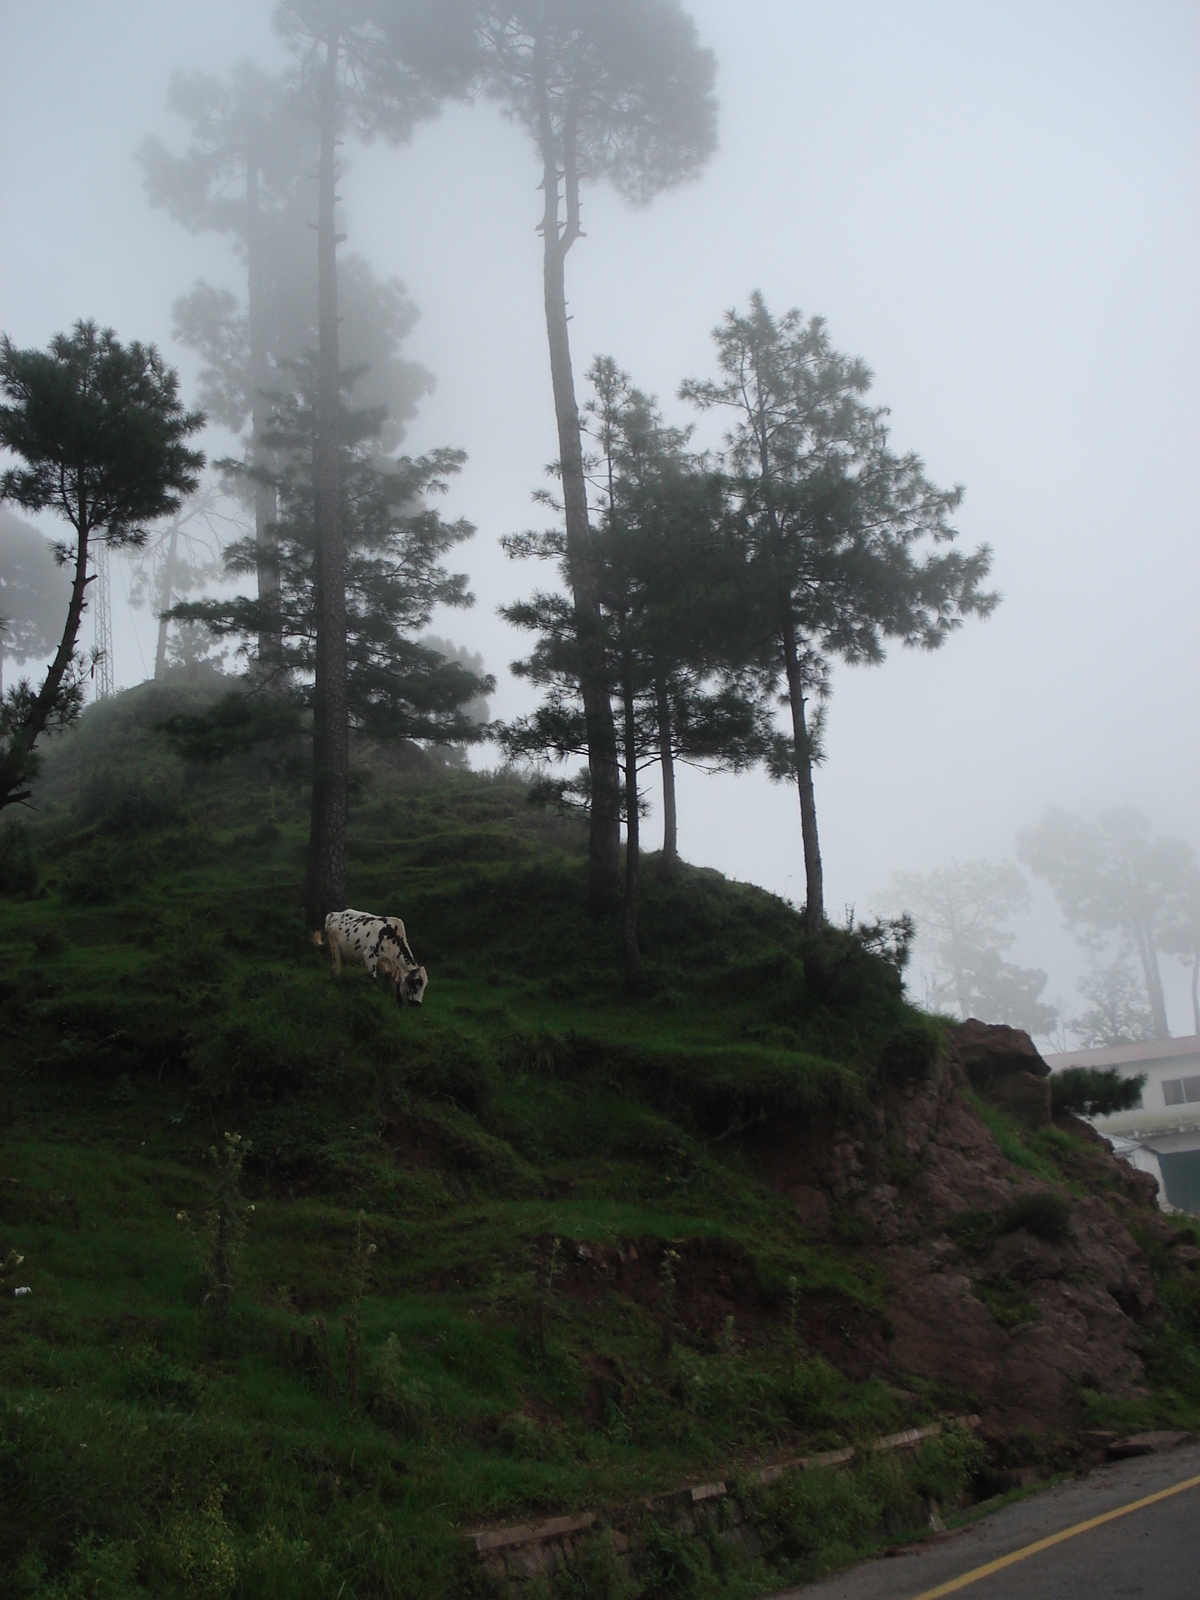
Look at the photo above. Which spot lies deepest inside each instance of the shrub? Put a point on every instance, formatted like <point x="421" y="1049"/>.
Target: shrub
<point x="909" y="1054"/>
<point x="842" y="969"/>
<point x="442" y="1067"/>
<point x="18" y="865"/>
<point x="94" y="877"/>
<point x="1092" y="1092"/>
<point x="594" y="1573"/>
<point x="1044" y="1214"/>
<point x="671" y="1564"/>
<point x="150" y="1376"/>
<point x="543" y="1055"/>
<point x="400" y="1400"/>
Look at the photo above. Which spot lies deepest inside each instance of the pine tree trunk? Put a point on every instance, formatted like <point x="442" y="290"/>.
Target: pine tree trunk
<point x="164" y="604"/>
<point x="604" y="838"/>
<point x="13" y="762"/>
<point x="814" y="902"/>
<point x="266" y="540"/>
<point x="633" y="956"/>
<point x="670" y="848"/>
<point x="325" y="888"/>
<point x="1153" y="978"/>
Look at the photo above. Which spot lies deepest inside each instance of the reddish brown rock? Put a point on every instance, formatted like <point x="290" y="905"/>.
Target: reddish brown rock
<point x="988" y="1050"/>
<point x="1025" y="1097"/>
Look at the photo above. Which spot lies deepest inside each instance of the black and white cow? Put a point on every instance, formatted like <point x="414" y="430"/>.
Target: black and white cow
<point x="381" y="945"/>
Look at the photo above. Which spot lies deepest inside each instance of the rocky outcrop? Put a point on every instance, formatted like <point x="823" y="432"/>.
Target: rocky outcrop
<point x="980" y="1301"/>
<point x="989" y="1051"/>
<point x="1016" y="1320"/>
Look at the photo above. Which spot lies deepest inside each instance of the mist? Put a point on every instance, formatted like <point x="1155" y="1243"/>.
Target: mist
<point x="996" y="207"/>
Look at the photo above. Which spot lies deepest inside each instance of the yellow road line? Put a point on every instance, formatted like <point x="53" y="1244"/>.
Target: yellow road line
<point x="1055" y="1538"/>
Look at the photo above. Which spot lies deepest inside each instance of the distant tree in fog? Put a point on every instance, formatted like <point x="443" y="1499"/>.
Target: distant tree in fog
<point x="183" y="556"/>
<point x="244" y="168"/>
<point x="846" y="542"/>
<point x="100" y="430"/>
<point x="34" y="592"/>
<point x="477" y="710"/>
<point x="962" y="913"/>
<point x="248" y="172"/>
<point x="1116" y="880"/>
<point x="615" y="90"/>
<point x="1181" y="937"/>
<point x="1118" y="1013"/>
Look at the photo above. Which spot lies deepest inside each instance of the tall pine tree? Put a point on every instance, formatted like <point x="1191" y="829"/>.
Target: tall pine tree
<point x="846" y="542"/>
<point x="395" y="543"/>
<point x="618" y="90"/>
<point x="663" y="574"/>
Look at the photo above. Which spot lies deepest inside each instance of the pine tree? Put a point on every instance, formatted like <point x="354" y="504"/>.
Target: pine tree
<point x="606" y="89"/>
<point x="101" y="430"/>
<point x="836" y="527"/>
<point x="395" y="543"/>
<point x="662" y="572"/>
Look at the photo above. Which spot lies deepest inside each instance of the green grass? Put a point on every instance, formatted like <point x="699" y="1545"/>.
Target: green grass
<point x="521" y="1152"/>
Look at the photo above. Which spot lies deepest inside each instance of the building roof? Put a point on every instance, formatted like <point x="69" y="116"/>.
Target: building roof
<point x="1120" y="1055"/>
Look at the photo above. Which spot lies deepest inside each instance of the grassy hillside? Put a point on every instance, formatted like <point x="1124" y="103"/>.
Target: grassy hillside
<point x="517" y="1250"/>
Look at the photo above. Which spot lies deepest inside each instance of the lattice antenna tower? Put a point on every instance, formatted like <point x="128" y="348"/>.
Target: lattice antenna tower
<point x="103" y="624"/>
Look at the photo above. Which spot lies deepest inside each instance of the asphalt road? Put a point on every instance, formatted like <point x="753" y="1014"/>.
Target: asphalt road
<point x="1153" y="1550"/>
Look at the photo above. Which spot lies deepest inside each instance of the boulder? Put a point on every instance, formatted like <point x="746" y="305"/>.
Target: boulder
<point x="988" y="1051"/>
<point x="1024" y="1096"/>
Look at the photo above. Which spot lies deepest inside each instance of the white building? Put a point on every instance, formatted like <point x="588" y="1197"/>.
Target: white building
<point x="1162" y="1135"/>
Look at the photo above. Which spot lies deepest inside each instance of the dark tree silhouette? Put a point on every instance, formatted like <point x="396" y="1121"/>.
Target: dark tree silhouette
<point x="616" y="90"/>
<point x="100" y="429"/>
<point x="394" y="541"/>
<point x="663" y="574"/>
<point x="383" y="67"/>
<point x="834" y="523"/>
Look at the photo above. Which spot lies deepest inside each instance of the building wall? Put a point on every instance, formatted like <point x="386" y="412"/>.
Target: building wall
<point x="1162" y="1135"/>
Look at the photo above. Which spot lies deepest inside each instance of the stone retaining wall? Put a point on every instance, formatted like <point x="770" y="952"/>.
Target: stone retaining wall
<point x="533" y="1551"/>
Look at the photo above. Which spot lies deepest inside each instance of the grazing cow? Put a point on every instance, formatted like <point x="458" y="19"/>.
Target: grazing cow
<point x="381" y="945"/>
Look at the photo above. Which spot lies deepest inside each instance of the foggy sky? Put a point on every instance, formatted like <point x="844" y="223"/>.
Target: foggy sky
<point x="996" y="205"/>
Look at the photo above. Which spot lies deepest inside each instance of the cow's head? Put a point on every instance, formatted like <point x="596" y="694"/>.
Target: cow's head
<point x="409" y="983"/>
<point x="413" y="985"/>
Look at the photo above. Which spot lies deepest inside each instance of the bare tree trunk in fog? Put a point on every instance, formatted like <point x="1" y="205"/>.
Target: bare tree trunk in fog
<point x="604" y="840"/>
<point x="633" y="956"/>
<point x="814" y="901"/>
<point x="325" y="886"/>
<point x="1148" y="956"/>
<point x="265" y="509"/>
<point x="670" y="848"/>
<point x="164" y="603"/>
